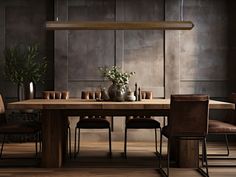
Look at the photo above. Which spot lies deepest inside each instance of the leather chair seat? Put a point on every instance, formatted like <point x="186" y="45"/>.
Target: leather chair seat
<point x="165" y="131"/>
<point x="19" y="128"/>
<point x="93" y="123"/>
<point x="216" y="126"/>
<point x="142" y="123"/>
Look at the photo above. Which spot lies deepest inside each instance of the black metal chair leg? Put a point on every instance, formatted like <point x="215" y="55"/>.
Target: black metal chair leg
<point x="156" y="141"/>
<point x="227" y="144"/>
<point x="36" y="146"/>
<point x="78" y="140"/>
<point x="75" y="151"/>
<point x="110" y="153"/>
<point x="69" y="141"/>
<point x="168" y="158"/>
<point x="125" y="145"/>
<point x="205" y="152"/>
<point x="166" y="174"/>
<point x="40" y="141"/>
<point x="204" y="158"/>
<point x="227" y="148"/>
<point x="3" y="141"/>
<point x="112" y="123"/>
<point x="160" y="157"/>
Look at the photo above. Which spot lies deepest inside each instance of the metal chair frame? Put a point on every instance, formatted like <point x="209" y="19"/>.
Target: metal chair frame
<point x="199" y="169"/>
<point x="125" y="143"/>
<point x="77" y="131"/>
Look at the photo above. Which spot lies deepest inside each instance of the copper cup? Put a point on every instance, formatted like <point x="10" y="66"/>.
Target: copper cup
<point x="98" y="95"/>
<point x="65" y="95"/>
<point x="148" y="95"/>
<point x="143" y="94"/>
<point x="46" y="95"/>
<point x="57" y="95"/>
<point x="91" y="96"/>
<point x="85" y="95"/>
<point x="52" y="95"/>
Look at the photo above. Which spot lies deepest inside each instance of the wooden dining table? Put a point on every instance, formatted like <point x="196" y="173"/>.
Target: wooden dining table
<point x="55" y="123"/>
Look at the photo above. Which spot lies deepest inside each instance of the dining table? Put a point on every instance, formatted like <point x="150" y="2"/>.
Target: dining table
<point x="54" y="120"/>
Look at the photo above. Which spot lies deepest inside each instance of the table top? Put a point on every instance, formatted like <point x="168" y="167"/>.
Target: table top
<point x="93" y="104"/>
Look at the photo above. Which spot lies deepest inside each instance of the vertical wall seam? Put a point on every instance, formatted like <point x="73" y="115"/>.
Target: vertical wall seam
<point x="115" y="33"/>
<point x="179" y="36"/>
<point x="164" y="49"/>
<point x="67" y="45"/>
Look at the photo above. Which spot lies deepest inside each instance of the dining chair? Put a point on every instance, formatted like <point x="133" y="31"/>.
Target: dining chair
<point x="91" y="122"/>
<point x="141" y="122"/>
<point x="188" y="120"/>
<point x="225" y="127"/>
<point x="13" y="128"/>
<point x="52" y="95"/>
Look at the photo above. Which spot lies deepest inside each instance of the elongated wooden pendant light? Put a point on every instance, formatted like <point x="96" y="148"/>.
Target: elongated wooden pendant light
<point x="146" y="25"/>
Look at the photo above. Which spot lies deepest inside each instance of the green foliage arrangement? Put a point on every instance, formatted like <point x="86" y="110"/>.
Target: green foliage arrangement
<point x="23" y="64"/>
<point x="117" y="77"/>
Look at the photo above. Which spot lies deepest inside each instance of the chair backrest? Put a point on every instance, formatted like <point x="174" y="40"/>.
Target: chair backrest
<point x="2" y="107"/>
<point x="189" y="115"/>
<point x="2" y="111"/>
<point x="231" y="114"/>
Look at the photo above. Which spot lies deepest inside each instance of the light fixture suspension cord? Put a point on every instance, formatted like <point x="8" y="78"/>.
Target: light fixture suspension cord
<point x="182" y="10"/>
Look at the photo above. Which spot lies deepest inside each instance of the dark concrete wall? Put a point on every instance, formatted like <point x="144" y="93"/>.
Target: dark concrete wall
<point x="197" y="61"/>
<point x="85" y="51"/>
<point x="165" y="62"/>
<point x="23" y="22"/>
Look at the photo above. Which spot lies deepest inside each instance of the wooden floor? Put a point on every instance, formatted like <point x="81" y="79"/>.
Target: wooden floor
<point x="93" y="162"/>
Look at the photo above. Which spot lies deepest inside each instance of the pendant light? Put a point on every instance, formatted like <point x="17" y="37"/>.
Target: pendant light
<point x="101" y="25"/>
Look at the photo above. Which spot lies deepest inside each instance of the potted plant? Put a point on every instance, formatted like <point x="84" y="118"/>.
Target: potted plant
<point x="119" y="79"/>
<point x="24" y="67"/>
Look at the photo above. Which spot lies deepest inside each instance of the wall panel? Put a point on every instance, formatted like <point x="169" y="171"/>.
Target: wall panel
<point x="22" y="22"/>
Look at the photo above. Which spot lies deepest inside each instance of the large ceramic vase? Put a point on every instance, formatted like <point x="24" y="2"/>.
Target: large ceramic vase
<point x="116" y="93"/>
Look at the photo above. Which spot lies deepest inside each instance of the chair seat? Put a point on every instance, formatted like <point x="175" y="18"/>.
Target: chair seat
<point x="16" y="127"/>
<point x="142" y="123"/>
<point x="93" y="123"/>
<point x="216" y="126"/>
<point x="165" y="131"/>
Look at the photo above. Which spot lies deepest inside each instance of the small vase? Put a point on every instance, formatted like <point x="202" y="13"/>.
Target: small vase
<point x="26" y="91"/>
<point x="116" y="93"/>
<point x="29" y="90"/>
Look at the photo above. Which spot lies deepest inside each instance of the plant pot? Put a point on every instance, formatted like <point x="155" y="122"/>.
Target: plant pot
<point x="116" y="93"/>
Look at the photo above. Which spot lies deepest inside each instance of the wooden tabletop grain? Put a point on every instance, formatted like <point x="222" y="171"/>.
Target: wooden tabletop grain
<point x="93" y="104"/>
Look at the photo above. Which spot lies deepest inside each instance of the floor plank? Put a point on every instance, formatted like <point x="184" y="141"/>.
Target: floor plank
<point x="93" y="162"/>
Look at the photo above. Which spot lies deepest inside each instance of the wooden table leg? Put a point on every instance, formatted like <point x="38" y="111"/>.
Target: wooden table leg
<point x="188" y="153"/>
<point x="53" y="138"/>
<point x="185" y="153"/>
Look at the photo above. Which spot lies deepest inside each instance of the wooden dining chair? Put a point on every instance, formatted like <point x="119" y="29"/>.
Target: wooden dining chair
<point x="91" y="122"/>
<point x="188" y="120"/>
<point x="141" y="122"/>
<point x="226" y="126"/>
<point x="12" y="128"/>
